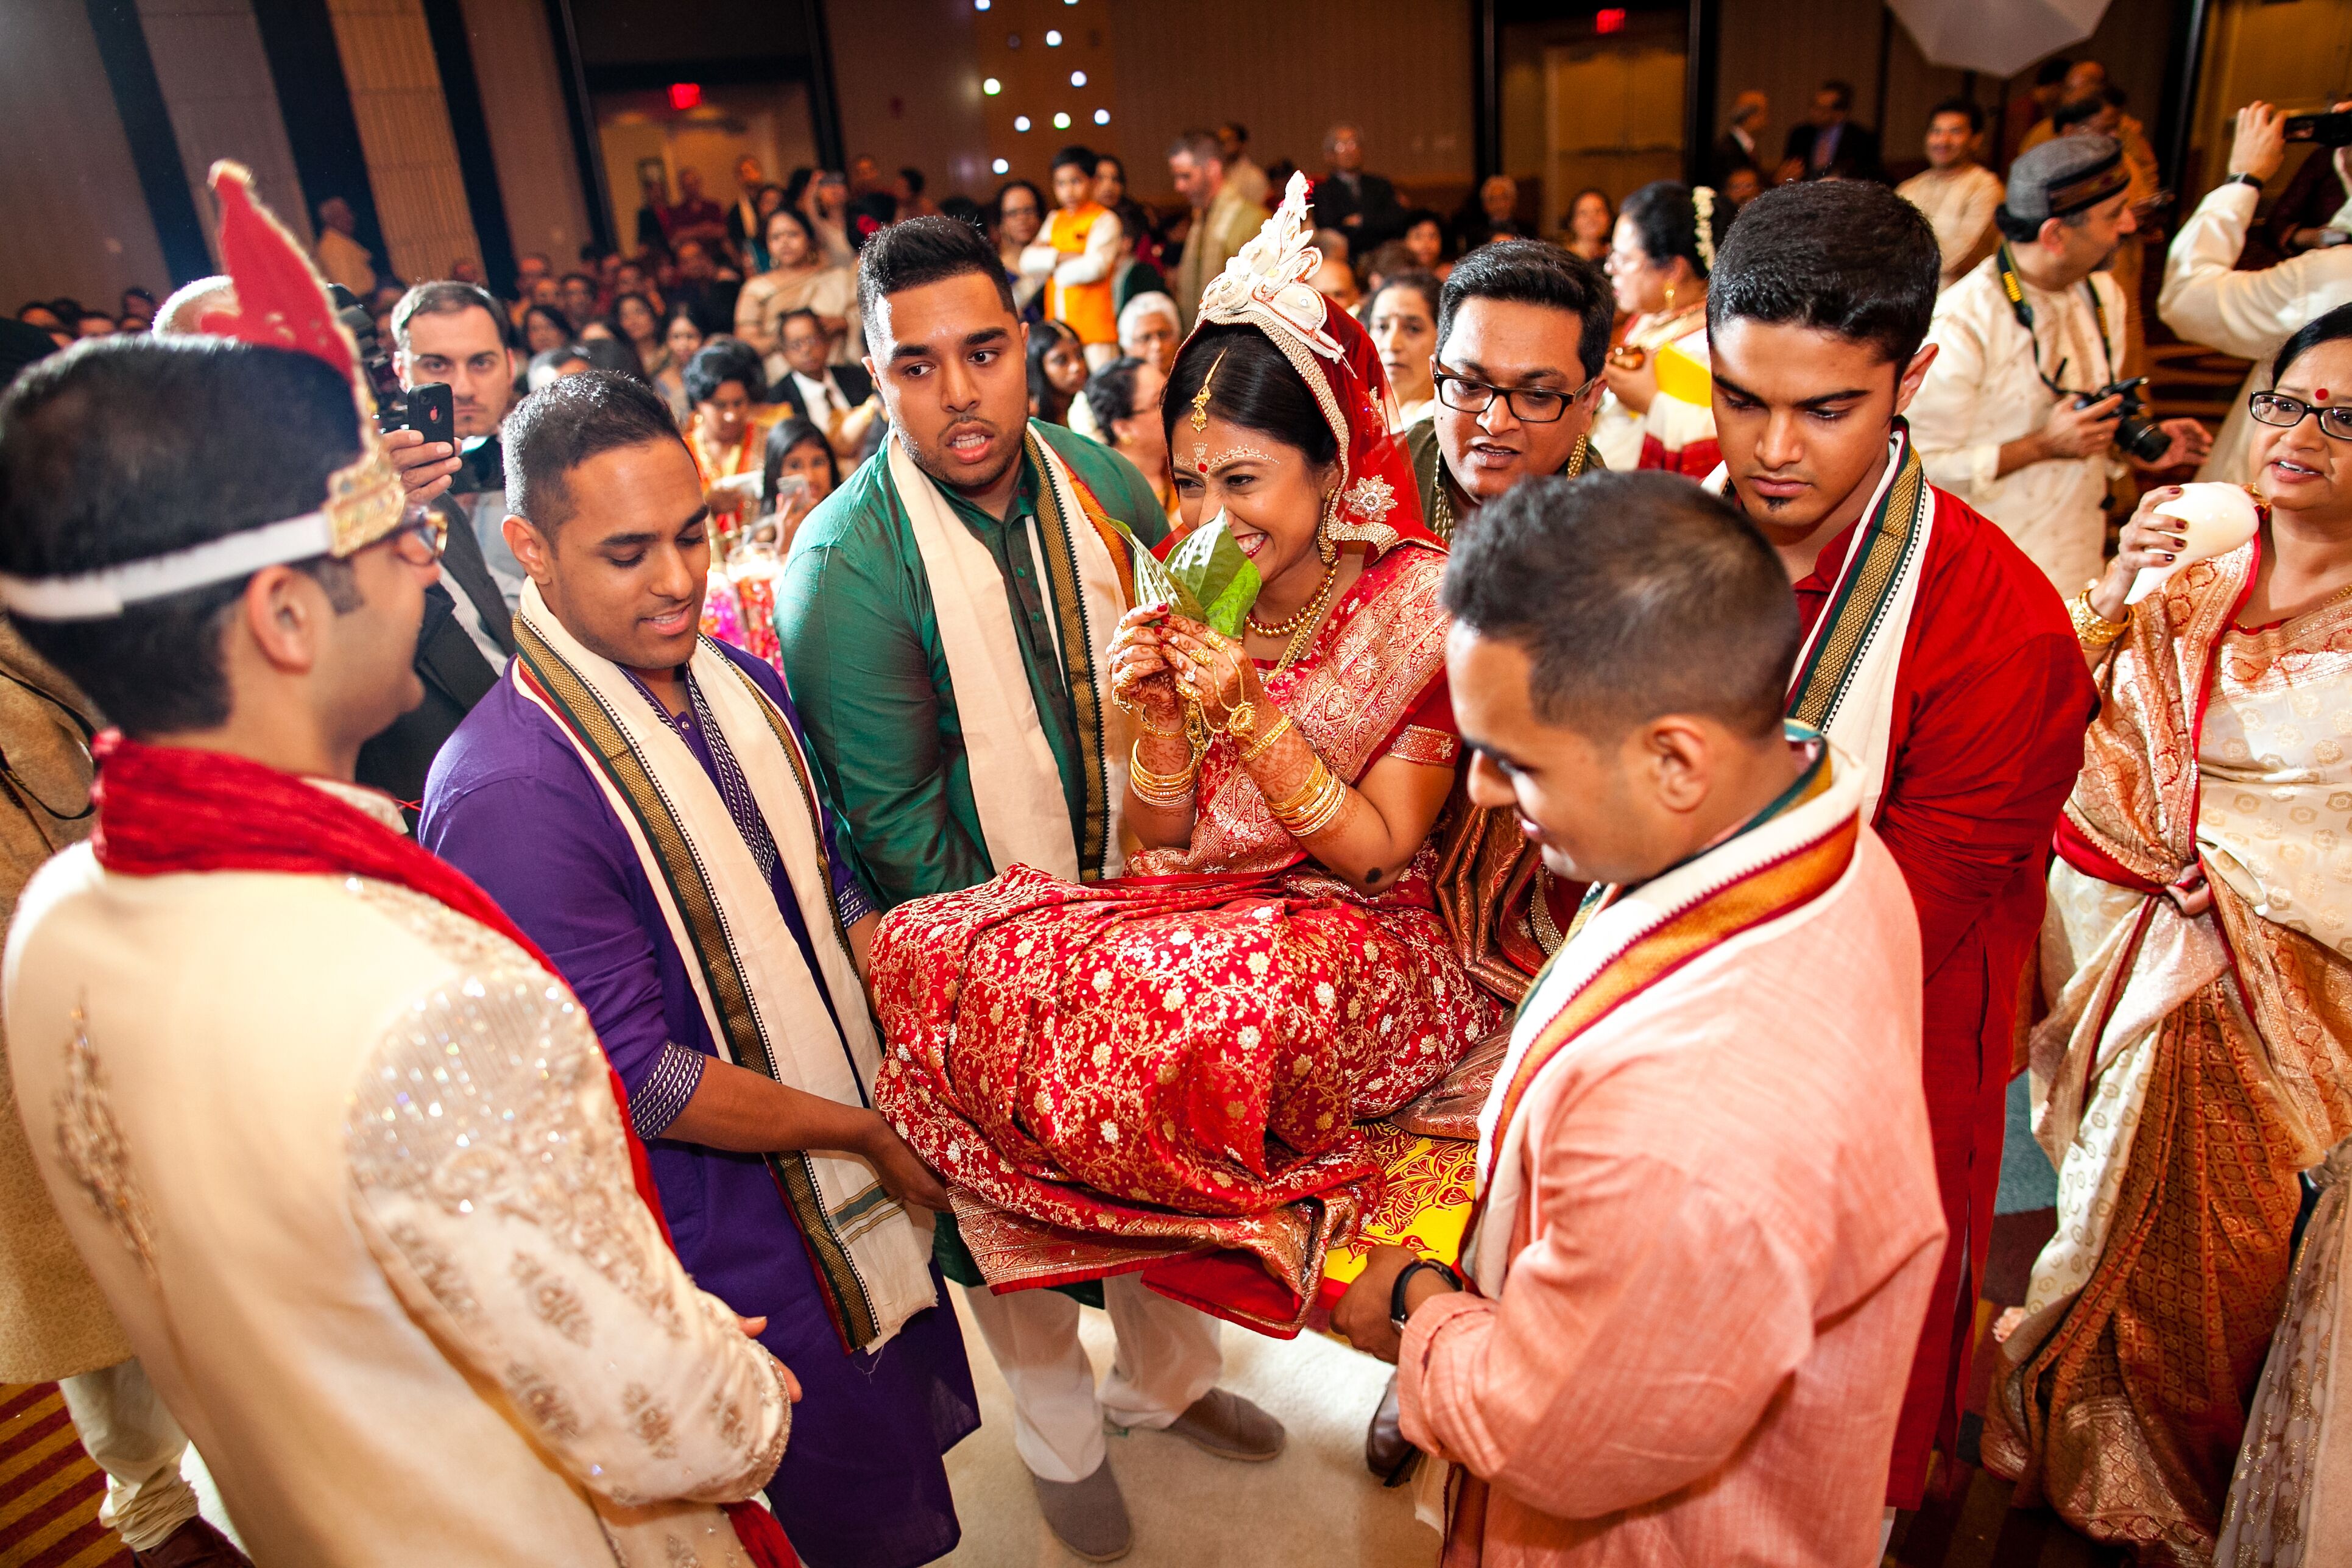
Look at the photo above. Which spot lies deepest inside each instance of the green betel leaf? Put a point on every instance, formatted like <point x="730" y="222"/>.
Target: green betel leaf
<point x="1210" y="570"/>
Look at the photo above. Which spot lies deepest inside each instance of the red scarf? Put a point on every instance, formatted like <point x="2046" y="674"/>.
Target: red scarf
<point x="165" y="809"/>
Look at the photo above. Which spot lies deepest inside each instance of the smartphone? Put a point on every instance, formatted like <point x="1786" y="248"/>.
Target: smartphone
<point x="433" y="409"/>
<point x="2326" y="130"/>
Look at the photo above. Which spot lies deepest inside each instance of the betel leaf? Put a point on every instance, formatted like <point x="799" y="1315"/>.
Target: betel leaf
<point x="1209" y="569"/>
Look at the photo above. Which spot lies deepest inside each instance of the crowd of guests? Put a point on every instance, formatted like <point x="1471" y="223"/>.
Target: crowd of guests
<point x="1699" y="632"/>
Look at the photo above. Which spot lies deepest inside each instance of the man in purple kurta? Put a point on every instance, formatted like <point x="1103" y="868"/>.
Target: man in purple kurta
<point x="512" y="803"/>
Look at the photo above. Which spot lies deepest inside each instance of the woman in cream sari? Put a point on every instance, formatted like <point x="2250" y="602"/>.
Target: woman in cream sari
<point x="2196" y="1061"/>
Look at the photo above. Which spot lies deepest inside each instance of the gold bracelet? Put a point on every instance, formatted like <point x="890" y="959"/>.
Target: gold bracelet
<point x="2093" y="629"/>
<point x="1316" y="775"/>
<point x="1163" y="790"/>
<point x="1321" y="812"/>
<point x="1273" y="734"/>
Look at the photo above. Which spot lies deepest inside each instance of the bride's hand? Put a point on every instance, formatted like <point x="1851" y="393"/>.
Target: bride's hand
<point x="1140" y="673"/>
<point x="1212" y="669"/>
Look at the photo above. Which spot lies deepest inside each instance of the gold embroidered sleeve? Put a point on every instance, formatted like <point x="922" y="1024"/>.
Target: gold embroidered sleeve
<point x="1433" y="748"/>
<point x="490" y="1178"/>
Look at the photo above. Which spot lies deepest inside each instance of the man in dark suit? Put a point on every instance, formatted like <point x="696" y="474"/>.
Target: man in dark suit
<point x="1362" y="206"/>
<point x="1741" y="145"/>
<point x="453" y="333"/>
<point x="743" y="216"/>
<point x="1830" y="145"/>
<point x="824" y="395"/>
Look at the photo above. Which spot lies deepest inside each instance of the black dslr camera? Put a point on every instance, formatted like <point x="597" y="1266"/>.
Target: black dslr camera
<point x="431" y="409"/>
<point x="2136" y="433"/>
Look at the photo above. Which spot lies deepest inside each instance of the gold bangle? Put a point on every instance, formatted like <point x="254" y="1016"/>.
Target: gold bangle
<point x="1158" y="789"/>
<point x="2093" y="629"/>
<point x="1273" y="732"/>
<point x="1316" y="773"/>
<point x="1322" y="812"/>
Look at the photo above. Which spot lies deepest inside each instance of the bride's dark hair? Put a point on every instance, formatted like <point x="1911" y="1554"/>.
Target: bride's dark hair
<point x="1254" y="387"/>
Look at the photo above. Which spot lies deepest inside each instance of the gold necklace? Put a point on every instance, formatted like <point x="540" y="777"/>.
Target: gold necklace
<point x="1305" y="612"/>
<point x="1306" y="632"/>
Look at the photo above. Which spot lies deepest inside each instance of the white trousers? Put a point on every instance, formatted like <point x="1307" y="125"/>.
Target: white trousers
<point x="1167" y="1357"/>
<point x="131" y="1437"/>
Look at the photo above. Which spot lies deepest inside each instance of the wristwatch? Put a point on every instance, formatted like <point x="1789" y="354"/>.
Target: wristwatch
<point x="2253" y="180"/>
<point x="1398" y="1312"/>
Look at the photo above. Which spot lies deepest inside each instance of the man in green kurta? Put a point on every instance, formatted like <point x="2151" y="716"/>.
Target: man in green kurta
<point x="942" y="618"/>
<point x="1522" y="332"/>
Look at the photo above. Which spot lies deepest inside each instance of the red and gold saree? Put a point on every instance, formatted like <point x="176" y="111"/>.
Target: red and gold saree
<point x="1175" y="1063"/>
<point x="2189" y="1069"/>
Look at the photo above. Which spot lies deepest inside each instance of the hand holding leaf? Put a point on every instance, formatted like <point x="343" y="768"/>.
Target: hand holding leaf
<point x="1215" y="583"/>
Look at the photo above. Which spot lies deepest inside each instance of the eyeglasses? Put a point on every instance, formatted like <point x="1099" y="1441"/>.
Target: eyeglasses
<point x="421" y="537"/>
<point x="1529" y="404"/>
<point x="2277" y="408"/>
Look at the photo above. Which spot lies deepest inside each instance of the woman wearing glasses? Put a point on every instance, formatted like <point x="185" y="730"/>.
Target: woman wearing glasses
<point x="1659" y="412"/>
<point x="2197" y="1058"/>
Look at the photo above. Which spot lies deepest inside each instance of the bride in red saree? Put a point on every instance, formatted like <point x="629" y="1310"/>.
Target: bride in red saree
<point x="1169" y="1062"/>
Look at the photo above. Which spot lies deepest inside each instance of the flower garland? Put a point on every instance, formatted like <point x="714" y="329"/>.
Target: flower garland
<point x="1702" y="211"/>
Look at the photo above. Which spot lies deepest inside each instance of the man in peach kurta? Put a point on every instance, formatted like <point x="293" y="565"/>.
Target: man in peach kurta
<point x="1707" y="1221"/>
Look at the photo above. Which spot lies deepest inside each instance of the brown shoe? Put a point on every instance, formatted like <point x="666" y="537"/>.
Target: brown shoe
<point x="194" y="1544"/>
<point x="1090" y="1517"/>
<point x="1230" y="1426"/>
<point x="1386" y="1453"/>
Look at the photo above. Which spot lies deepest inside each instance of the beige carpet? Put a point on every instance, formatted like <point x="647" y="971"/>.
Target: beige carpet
<point x="1315" y="1505"/>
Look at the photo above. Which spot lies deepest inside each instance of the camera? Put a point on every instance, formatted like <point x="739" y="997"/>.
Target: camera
<point x="375" y="360"/>
<point x="2136" y="434"/>
<point x="2325" y="129"/>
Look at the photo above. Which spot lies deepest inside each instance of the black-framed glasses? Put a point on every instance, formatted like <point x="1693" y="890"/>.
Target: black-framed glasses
<point x="1529" y="404"/>
<point x="2286" y="413"/>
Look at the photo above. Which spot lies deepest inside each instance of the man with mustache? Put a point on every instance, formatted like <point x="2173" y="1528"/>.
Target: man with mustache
<point x="1522" y="332"/>
<point x="1937" y="656"/>
<point x="945" y="616"/>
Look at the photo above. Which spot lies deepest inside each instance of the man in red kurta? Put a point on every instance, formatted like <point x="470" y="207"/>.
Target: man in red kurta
<point x="1964" y="694"/>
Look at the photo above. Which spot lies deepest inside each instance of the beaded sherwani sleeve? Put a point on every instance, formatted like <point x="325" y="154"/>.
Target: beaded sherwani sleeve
<point x="490" y="1178"/>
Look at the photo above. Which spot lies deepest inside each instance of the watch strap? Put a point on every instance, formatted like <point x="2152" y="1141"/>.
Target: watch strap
<point x="1398" y="1310"/>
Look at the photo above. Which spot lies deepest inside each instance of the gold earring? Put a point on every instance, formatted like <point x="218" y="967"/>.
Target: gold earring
<point x="1670" y="296"/>
<point x="1325" y="545"/>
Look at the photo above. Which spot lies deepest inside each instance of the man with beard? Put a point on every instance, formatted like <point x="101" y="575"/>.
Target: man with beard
<point x="1522" y="330"/>
<point x="945" y="616"/>
<point x="1935" y="655"/>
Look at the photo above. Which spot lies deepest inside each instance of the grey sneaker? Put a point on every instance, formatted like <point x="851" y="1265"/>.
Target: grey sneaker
<point x="1090" y="1517"/>
<point x="1230" y="1426"/>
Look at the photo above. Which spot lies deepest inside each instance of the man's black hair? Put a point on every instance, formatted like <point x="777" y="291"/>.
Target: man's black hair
<point x="445" y="299"/>
<point x="922" y="251"/>
<point x="125" y="448"/>
<point x="799" y="313"/>
<point x="718" y="361"/>
<point x="2083" y="110"/>
<point x="1847" y="256"/>
<point x="963" y="209"/>
<point x="1075" y="157"/>
<point x="914" y="178"/>
<point x="1534" y="272"/>
<point x="1967" y="107"/>
<point x="1841" y="92"/>
<point x="2052" y="71"/>
<point x="1633" y="595"/>
<point x="566" y="423"/>
<point x="1110" y="394"/>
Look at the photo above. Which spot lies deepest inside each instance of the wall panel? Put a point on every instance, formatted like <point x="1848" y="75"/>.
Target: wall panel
<point x="216" y="87"/>
<point x="77" y="221"/>
<point x="403" y="121"/>
<point x="531" y="133"/>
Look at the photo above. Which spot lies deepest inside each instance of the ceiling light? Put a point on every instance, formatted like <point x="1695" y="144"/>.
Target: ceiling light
<point x="1053" y="40"/>
<point x="1019" y="123"/>
<point x="1077" y="79"/>
<point x="991" y="86"/>
<point x="1002" y="167"/>
<point x="1102" y="116"/>
<point x="1061" y="122"/>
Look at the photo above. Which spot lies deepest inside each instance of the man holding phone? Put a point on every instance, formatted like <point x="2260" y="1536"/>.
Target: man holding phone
<point x="449" y="349"/>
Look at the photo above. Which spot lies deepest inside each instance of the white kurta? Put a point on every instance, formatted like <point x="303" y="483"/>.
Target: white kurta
<point x="1983" y="391"/>
<point x="349" y="1170"/>
<point x="2248" y="314"/>
<point x="1959" y="205"/>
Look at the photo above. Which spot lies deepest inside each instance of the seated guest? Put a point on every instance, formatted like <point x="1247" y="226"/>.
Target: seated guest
<point x="2196" y="1070"/>
<point x="1660" y="412"/>
<point x="554" y="365"/>
<point x="638" y="799"/>
<point x="1361" y="205"/>
<point x="1492" y="215"/>
<point x="1282" y="785"/>
<point x="1384" y="262"/>
<point x="1423" y="233"/>
<point x="1739" y="147"/>
<point x="682" y="335"/>
<point x="1403" y="316"/>
<point x="1150" y="329"/>
<point x="799" y="277"/>
<point x="1057" y="369"/>
<point x="1124" y="397"/>
<point x="1707" y="1224"/>
<point x="835" y="398"/>
<point x="1958" y="194"/>
<point x="1592" y="224"/>
<point x="724" y="383"/>
<point x="544" y="328"/>
<point x="638" y="325"/>
<point x="1334" y="279"/>
<point x="336" y="1144"/>
<point x="893" y="612"/>
<point x="798" y="472"/>
<point x="1020" y="214"/>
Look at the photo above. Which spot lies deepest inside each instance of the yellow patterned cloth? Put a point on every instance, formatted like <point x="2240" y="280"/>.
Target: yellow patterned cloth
<point x="1424" y="1205"/>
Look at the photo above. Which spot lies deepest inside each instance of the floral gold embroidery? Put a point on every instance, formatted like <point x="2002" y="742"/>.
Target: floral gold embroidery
<point x="91" y="1146"/>
<point x="649" y="1420"/>
<point x="558" y="1304"/>
<point x="539" y="1399"/>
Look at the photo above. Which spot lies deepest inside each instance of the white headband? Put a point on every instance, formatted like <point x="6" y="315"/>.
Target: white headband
<point x="104" y="593"/>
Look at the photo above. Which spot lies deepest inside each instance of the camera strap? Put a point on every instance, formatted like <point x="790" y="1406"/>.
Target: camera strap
<point x="2015" y="293"/>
